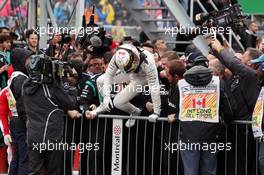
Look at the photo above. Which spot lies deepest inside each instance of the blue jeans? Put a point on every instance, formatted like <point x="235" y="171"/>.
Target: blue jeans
<point x="261" y="157"/>
<point x="19" y="163"/>
<point x="192" y="160"/>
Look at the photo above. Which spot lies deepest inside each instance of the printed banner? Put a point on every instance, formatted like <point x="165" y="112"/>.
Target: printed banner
<point x="117" y="147"/>
<point x="199" y="103"/>
<point x="258" y="115"/>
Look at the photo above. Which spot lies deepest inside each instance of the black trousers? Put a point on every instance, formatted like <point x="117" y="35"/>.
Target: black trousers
<point x="46" y="162"/>
<point x="19" y="163"/>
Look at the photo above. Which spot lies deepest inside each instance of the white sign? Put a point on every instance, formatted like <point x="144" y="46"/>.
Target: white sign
<point x="117" y="147"/>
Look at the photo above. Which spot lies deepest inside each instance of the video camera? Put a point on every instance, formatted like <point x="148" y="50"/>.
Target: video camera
<point x="231" y="16"/>
<point x="46" y="70"/>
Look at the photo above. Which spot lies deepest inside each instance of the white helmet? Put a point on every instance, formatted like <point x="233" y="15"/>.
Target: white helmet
<point x="127" y="58"/>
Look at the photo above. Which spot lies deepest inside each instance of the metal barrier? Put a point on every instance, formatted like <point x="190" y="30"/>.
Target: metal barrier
<point x="147" y="148"/>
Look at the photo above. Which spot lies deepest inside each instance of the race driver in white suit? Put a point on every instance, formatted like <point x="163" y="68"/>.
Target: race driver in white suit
<point x="137" y="68"/>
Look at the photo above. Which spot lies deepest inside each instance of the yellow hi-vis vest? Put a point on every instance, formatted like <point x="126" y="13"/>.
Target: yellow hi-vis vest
<point x="257" y="115"/>
<point x="199" y="103"/>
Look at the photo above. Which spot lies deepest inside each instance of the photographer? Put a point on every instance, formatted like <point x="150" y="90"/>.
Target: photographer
<point x="60" y="46"/>
<point x="244" y="78"/>
<point x="245" y="86"/>
<point x="46" y="105"/>
<point x="197" y="127"/>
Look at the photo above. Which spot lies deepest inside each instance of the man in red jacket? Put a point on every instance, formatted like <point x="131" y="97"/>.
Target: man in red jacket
<point x="4" y="114"/>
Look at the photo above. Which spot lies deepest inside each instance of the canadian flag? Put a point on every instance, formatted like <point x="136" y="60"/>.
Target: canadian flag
<point x="198" y="103"/>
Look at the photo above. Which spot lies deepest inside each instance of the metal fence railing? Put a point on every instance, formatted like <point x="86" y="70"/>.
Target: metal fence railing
<point x="150" y="148"/>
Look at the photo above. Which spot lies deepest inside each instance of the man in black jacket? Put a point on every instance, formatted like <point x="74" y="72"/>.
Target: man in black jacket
<point x="245" y="86"/>
<point x="46" y="105"/>
<point x="19" y="163"/>
<point x="202" y="106"/>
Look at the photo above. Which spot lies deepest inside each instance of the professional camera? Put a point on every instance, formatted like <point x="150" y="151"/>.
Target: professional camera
<point x="96" y="40"/>
<point x="65" y="38"/>
<point x="46" y="70"/>
<point x="231" y="16"/>
<point x="93" y="38"/>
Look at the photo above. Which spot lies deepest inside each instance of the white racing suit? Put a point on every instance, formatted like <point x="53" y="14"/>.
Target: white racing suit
<point x="147" y="75"/>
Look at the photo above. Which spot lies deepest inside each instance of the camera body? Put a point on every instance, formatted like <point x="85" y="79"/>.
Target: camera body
<point x="65" y="38"/>
<point x="46" y="70"/>
<point x="230" y="16"/>
<point x="94" y="40"/>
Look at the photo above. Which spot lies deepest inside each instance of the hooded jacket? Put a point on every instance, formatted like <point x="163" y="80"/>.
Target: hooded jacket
<point x="200" y="132"/>
<point x="46" y="106"/>
<point x="18" y="58"/>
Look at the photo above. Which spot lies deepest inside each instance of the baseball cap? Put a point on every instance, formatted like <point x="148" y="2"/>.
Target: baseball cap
<point x="258" y="60"/>
<point x="196" y="57"/>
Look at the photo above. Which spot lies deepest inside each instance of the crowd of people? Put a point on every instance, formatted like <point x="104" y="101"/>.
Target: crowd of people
<point x="199" y="95"/>
<point x="55" y="95"/>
